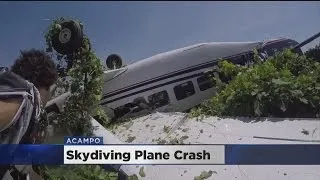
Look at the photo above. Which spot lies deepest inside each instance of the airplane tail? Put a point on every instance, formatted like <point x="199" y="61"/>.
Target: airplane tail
<point x="307" y="41"/>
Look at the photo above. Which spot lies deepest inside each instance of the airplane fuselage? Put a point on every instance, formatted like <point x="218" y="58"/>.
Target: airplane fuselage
<point x="175" y="80"/>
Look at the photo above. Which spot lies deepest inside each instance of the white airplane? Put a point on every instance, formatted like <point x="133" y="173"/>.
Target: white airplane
<point x="172" y="81"/>
<point x="177" y="81"/>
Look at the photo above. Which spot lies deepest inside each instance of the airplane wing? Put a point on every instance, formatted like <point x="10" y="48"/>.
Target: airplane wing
<point x="170" y="127"/>
<point x="110" y="74"/>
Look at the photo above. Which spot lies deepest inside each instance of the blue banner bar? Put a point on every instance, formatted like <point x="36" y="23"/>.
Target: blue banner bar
<point x="272" y="154"/>
<point x="234" y="154"/>
<point x="83" y="140"/>
<point x="31" y="154"/>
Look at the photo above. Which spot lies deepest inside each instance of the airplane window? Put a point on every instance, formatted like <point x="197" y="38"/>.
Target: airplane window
<point x="205" y="82"/>
<point x="140" y="104"/>
<point x="122" y="110"/>
<point x="137" y="105"/>
<point x="249" y="57"/>
<point x="159" y="99"/>
<point x="240" y="59"/>
<point x="184" y="90"/>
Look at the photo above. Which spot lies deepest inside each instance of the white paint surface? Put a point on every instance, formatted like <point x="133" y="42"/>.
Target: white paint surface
<point x="212" y="130"/>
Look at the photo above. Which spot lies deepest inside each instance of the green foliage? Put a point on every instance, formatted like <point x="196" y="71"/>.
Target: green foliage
<point x="283" y="86"/>
<point x="52" y="30"/>
<point x="79" y="172"/>
<point x="86" y="81"/>
<point x="314" y="53"/>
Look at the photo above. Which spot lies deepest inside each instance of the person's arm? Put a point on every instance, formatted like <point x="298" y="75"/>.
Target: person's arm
<point x="8" y="108"/>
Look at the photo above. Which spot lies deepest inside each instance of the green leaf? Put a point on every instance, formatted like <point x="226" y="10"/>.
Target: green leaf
<point x="133" y="177"/>
<point x="279" y="82"/>
<point x="102" y="177"/>
<point x="283" y="106"/>
<point x="253" y="93"/>
<point x="304" y="100"/>
<point x="257" y="108"/>
<point x="97" y="170"/>
<point x="141" y="172"/>
<point x="297" y="92"/>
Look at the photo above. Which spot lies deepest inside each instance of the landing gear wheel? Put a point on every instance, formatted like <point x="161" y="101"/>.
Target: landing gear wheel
<point x="114" y="61"/>
<point x="69" y="39"/>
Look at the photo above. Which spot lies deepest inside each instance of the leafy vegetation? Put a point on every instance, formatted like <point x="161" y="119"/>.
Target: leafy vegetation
<point x="78" y="172"/>
<point x="314" y="53"/>
<point x="85" y="81"/>
<point x="85" y="73"/>
<point x="283" y="86"/>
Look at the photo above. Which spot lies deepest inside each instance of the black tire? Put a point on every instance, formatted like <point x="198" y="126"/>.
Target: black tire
<point x="69" y="39"/>
<point x="114" y="61"/>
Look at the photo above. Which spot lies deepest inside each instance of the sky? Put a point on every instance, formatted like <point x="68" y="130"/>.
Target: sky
<point x="137" y="30"/>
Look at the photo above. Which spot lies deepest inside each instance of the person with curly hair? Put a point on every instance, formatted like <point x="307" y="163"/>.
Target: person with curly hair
<point x="24" y="92"/>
